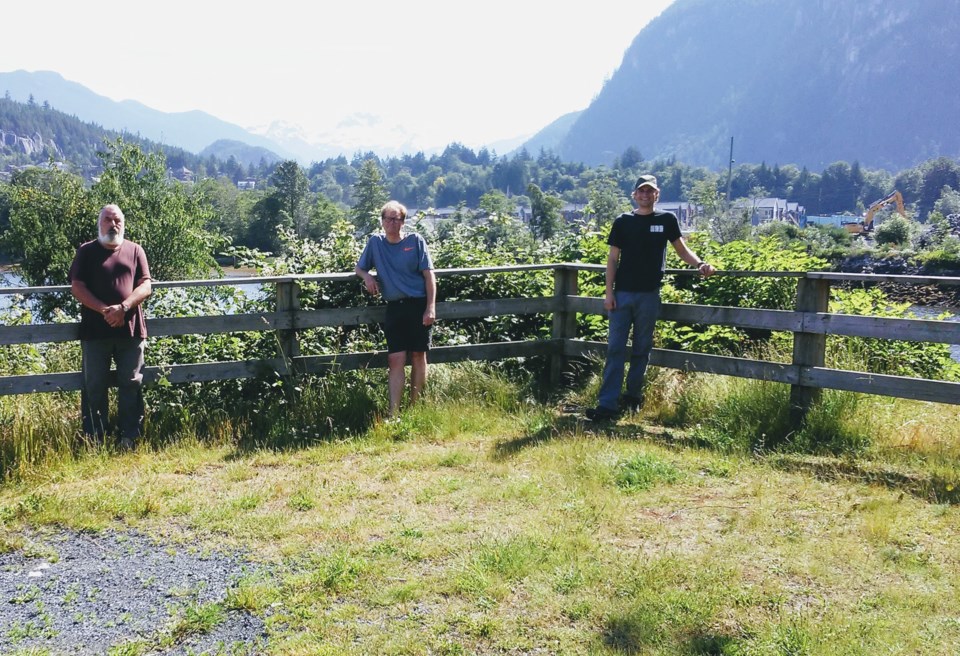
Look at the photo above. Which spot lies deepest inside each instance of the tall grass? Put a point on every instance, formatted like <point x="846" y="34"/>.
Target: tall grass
<point x="727" y="414"/>
<point x="38" y="430"/>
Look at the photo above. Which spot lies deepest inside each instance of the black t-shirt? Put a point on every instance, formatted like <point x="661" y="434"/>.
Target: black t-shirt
<point x="642" y="240"/>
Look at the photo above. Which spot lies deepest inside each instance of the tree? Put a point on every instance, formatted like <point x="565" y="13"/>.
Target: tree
<point x="369" y="195"/>
<point x="725" y="223"/>
<point x="495" y="202"/>
<point x="630" y="158"/>
<point x="50" y="216"/>
<point x="512" y="176"/>
<point x="948" y="203"/>
<point x="324" y="215"/>
<point x="837" y="188"/>
<point x="167" y="221"/>
<point x="806" y="191"/>
<point x="291" y="193"/>
<point x="268" y="223"/>
<point x="545" y="217"/>
<point x="232" y="207"/>
<point x="895" y="231"/>
<point x="606" y="200"/>
<point x="937" y="174"/>
<point x="757" y="194"/>
<point x="708" y="201"/>
<point x="403" y="187"/>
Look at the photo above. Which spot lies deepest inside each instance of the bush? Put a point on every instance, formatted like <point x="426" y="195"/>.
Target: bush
<point x="896" y="232"/>
<point x="944" y="258"/>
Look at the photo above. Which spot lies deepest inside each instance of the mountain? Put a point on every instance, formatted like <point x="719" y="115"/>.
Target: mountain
<point x="192" y="131"/>
<point x="360" y="132"/>
<point x="808" y="82"/>
<point x="224" y="149"/>
<point x="195" y="131"/>
<point x="32" y="134"/>
<point x="550" y="137"/>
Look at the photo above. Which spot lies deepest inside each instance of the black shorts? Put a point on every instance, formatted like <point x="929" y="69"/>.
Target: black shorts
<point x="404" y="326"/>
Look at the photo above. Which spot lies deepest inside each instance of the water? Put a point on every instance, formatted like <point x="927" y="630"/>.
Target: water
<point x="9" y="278"/>
<point x="923" y="312"/>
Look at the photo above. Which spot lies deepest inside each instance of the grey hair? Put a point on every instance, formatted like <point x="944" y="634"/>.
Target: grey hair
<point x="112" y="208"/>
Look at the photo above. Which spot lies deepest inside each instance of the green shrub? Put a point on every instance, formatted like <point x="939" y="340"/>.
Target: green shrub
<point x="896" y="231"/>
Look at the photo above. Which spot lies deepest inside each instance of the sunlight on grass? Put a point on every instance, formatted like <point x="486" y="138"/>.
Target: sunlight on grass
<point x="485" y="524"/>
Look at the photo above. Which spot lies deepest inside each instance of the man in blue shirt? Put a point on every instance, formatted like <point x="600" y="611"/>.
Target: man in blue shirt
<point x="635" y="266"/>
<point x="406" y="280"/>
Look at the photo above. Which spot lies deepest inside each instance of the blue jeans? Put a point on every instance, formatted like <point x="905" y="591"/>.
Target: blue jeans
<point x="128" y="354"/>
<point x="637" y="310"/>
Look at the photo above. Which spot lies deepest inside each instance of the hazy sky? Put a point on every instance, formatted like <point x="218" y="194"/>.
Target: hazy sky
<point x="448" y="71"/>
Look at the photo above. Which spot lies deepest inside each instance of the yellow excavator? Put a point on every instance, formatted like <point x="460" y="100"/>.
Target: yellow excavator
<point x="866" y="225"/>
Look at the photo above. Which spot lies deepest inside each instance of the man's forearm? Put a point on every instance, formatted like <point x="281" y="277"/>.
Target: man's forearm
<point x="613" y="260"/>
<point x="430" y="282"/>
<point x="83" y="294"/>
<point x="138" y="295"/>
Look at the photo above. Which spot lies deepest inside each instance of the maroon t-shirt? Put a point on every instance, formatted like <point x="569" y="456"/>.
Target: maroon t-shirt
<point x="111" y="276"/>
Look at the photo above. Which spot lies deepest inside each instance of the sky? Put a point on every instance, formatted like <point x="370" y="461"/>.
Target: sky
<point x="448" y="72"/>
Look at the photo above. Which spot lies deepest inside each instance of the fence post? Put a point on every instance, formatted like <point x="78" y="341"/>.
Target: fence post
<point x="809" y="350"/>
<point x="288" y="303"/>
<point x="564" y="321"/>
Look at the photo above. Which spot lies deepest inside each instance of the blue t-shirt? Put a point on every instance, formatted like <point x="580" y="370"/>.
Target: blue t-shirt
<point x="399" y="266"/>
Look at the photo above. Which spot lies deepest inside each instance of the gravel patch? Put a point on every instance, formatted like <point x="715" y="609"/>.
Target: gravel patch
<point x="86" y="593"/>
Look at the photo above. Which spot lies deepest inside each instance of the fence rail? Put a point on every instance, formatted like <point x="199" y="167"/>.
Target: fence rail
<point x="810" y="322"/>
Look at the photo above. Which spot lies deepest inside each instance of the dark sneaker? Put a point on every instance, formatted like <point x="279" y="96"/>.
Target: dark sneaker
<point x="630" y="403"/>
<point x="601" y="414"/>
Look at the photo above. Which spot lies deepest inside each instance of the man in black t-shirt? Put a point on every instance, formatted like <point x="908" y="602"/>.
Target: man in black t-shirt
<point x="635" y="266"/>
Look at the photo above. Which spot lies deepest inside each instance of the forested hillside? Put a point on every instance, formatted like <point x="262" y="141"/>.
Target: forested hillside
<point x="38" y="134"/>
<point x="192" y="131"/>
<point x="792" y="81"/>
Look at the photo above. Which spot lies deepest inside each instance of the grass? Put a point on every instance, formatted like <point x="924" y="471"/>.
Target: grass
<point x="483" y="524"/>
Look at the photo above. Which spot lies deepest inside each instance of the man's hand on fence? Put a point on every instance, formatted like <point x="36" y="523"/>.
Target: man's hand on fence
<point x="706" y="269"/>
<point x="371" y="285"/>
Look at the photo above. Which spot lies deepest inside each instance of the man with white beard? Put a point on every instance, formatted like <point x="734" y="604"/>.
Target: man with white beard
<point x="111" y="278"/>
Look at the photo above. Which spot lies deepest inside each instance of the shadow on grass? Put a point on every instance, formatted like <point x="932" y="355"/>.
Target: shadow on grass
<point x="923" y="485"/>
<point x="637" y="633"/>
<point x="541" y="432"/>
<point x="572" y="425"/>
<point x="629" y="634"/>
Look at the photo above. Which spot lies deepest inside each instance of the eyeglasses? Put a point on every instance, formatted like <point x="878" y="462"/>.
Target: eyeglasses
<point x="395" y="219"/>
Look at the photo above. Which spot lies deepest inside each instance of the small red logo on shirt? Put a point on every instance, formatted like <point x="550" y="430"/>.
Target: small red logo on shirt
<point x="408" y="248"/>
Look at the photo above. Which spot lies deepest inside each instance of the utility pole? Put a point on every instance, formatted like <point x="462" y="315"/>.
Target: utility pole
<point x="730" y="172"/>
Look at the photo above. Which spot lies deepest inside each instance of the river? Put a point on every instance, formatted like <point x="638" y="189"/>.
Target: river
<point x="924" y="312"/>
<point x="10" y="278"/>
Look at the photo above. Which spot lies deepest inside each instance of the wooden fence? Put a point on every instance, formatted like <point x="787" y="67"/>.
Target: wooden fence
<point x="809" y="321"/>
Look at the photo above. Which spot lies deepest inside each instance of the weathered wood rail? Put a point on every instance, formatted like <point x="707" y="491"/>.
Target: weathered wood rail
<point x="810" y="322"/>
